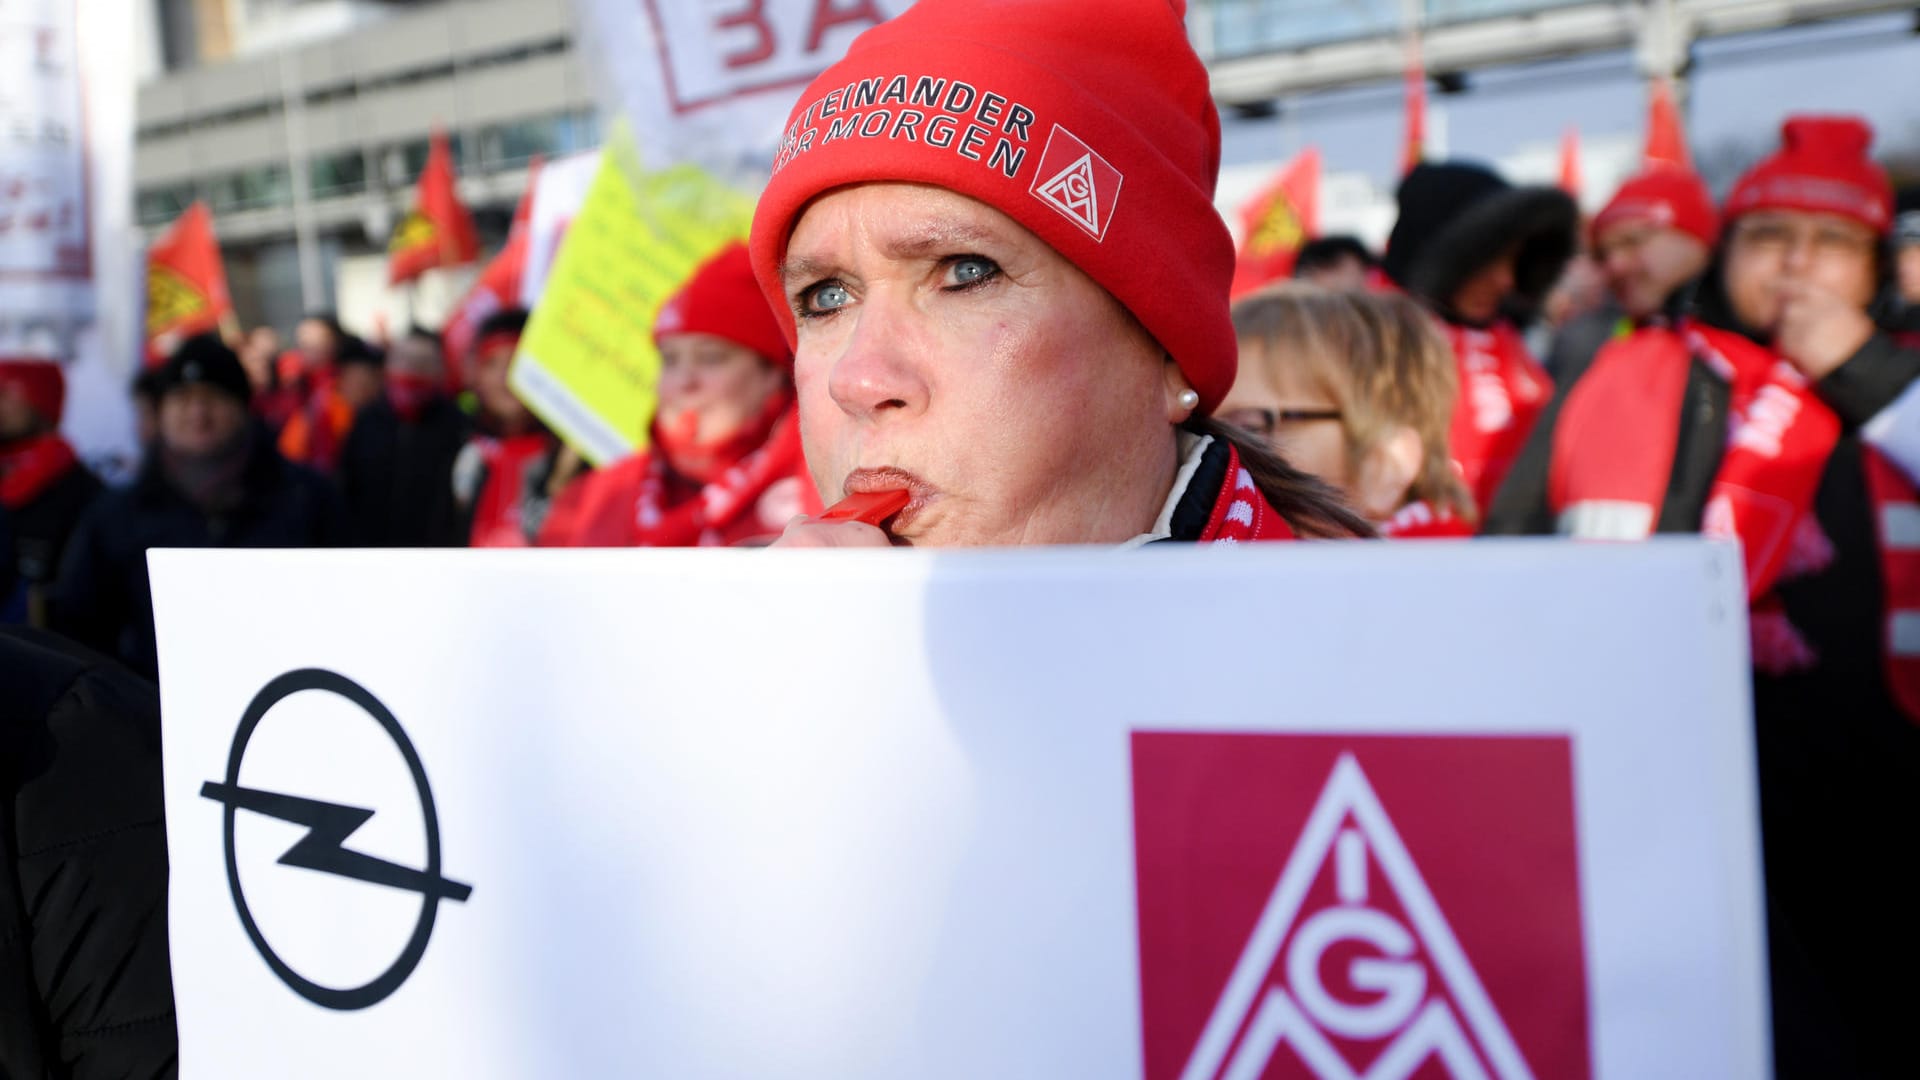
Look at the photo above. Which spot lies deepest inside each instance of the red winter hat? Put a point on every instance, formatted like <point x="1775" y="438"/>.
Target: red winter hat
<point x="722" y="299"/>
<point x="1089" y="124"/>
<point x="1822" y="167"/>
<point x="1666" y="195"/>
<point x="41" y="382"/>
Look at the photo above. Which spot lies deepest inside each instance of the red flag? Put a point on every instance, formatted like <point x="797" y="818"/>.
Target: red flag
<point x="1570" y="163"/>
<point x="1277" y="221"/>
<point x="498" y="286"/>
<point x="438" y="231"/>
<point x="1414" y="151"/>
<point x="1666" y="138"/>
<point x="186" y="281"/>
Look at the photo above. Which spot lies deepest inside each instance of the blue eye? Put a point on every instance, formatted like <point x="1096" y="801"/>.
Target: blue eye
<point x="971" y="270"/>
<point x="823" y="298"/>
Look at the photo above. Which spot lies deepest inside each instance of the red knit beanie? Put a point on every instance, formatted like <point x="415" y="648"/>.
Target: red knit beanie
<point x="1666" y="195"/>
<point x="1089" y="124"/>
<point x="40" y="382"/>
<point x="1822" y="167"/>
<point x="722" y="299"/>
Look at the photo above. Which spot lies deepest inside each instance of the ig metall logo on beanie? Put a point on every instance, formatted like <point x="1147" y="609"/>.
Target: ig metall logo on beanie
<point x="1077" y="182"/>
<point x="337" y="889"/>
<point x="1342" y="907"/>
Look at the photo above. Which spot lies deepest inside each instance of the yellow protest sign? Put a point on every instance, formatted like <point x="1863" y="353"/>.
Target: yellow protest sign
<point x="587" y="364"/>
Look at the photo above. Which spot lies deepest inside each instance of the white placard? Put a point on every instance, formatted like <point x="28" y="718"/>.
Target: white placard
<point x="712" y="82"/>
<point x="1015" y="814"/>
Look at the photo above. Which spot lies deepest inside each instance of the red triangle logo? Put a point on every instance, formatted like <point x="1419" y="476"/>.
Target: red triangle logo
<point x="1277" y="999"/>
<point x="1077" y="182"/>
<point x="1292" y="928"/>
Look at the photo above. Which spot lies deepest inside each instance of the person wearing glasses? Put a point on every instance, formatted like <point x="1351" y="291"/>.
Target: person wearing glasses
<point x="1754" y="419"/>
<point x="1357" y="389"/>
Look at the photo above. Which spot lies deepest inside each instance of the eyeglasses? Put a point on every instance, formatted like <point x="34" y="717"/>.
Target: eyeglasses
<point x="1264" y="422"/>
<point x="1776" y="238"/>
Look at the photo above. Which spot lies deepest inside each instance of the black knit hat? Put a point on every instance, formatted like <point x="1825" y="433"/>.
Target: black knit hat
<point x="1456" y="218"/>
<point x="205" y="360"/>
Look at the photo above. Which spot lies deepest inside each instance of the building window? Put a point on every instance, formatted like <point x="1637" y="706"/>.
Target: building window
<point x="250" y="189"/>
<point x="506" y="145"/>
<point x="159" y="205"/>
<point x="339" y="174"/>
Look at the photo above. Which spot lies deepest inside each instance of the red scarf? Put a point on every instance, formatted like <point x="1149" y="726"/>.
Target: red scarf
<point x="1503" y="390"/>
<point x="1240" y="512"/>
<point x="498" y="519"/>
<point x="716" y="508"/>
<point x="1423" y="521"/>
<point x="1619" y="430"/>
<point x="31" y="465"/>
<point x="1613" y="458"/>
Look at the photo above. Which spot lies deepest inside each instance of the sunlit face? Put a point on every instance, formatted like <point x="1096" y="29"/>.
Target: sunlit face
<point x="711" y="388"/>
<point x="945" y="349"/>
<point x="197" y="419"/>
<point x="1770" y="251"/>
<point x="1478" y="298"/>
<point x="490" y="387"/>
<point x="1278" y="399"/>
<point x="1645" y="262"/>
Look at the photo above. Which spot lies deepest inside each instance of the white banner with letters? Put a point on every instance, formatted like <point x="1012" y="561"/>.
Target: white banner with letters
<point x="711" y="82"/>
<point x="1313" y="810"/>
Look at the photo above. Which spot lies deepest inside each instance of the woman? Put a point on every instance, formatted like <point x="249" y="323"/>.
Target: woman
<point x="1358" y="390"/>
<point x="724" y="465"/>
<point x="1007" y="286"/>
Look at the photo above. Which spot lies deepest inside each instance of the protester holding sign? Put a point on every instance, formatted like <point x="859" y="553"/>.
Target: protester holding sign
<point x="1008" y="287"/>
<point x="725" y="466"/>
<point x="1357" y="389"/>
<point x="211" y="479"/>
<point x="1480" y="251"/>
<point x="43" y="486"/>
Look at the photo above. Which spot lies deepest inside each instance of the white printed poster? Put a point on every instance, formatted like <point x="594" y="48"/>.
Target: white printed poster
<point x="1308" y="811"/>
<point x="711" y="83"/>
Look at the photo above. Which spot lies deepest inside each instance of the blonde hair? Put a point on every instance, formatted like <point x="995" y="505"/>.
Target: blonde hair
<point x="1379" y="356"/>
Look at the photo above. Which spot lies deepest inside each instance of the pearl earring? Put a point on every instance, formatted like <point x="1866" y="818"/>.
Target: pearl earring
<point x="1189" y="399"/>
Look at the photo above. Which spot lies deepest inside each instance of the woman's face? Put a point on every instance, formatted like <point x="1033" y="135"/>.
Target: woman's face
<point x="711" y="388"/>
<point x="1769" y="252"/>
<point x="1282" y="403"/>
<point x="945" y="349"/>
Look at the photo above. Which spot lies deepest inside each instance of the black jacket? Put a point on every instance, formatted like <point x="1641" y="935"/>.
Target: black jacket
<point x="397" y="477"/>
<point x="102" y="597"/>
<point x="85" y="989"/>
<point x="41" y="528"/>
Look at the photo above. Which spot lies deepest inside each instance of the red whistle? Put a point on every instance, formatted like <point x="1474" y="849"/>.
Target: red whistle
<point x="871" y="507"/>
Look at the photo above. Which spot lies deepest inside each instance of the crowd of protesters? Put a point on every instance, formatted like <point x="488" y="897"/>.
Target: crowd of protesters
<point x="1744" y="375"/>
